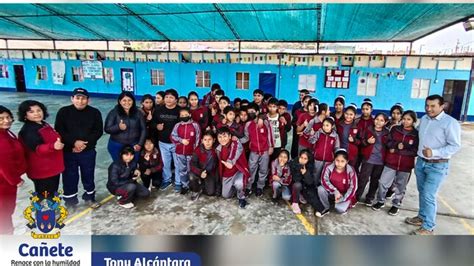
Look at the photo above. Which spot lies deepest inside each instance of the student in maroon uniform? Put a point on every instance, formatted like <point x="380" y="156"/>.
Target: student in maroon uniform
<point x="296" y="114"/>
<point x="285" y="119"/>
<point x="347" y="131"/>
<point x="338" y="184"/>
<point x="185" y="135"/>
<point x="233" y="166"/>
<point x="363" y="122"/>
<point x="260" y="137"/>
<point x="203" y="176"/>
<point x="339" y="104"/>
<point x="199" y="114"/>
<point x="303" y="122"/>
<point x="258" y="99"/>
<point x="402" y="145"/>
<point x="281" y="176"/>
<point x="373" y="150"/>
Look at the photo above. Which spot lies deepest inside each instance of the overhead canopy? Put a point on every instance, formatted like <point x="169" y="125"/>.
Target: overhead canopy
<point x="228" y="22"/>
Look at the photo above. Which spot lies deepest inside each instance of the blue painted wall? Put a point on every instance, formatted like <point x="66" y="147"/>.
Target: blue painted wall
<point x="181" y="76"/>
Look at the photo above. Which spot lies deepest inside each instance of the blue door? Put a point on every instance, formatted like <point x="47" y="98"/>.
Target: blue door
<point x="267" y="83"/>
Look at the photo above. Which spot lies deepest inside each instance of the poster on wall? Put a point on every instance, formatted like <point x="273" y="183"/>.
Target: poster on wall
<point x="92" y="69"/>
<point x="336" y="78"/>
<point x="59" y="70"/>
<point x="128" y="83"/>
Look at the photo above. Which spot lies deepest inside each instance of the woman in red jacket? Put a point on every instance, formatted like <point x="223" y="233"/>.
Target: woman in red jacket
<point x="43" y="148"/>
<point x="12" y="166"/>
<point x="402" y="145"/>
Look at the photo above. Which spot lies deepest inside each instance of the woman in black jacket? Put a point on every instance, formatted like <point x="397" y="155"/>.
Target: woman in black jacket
<point x="303" y="186"/>
<point x="123" y="175"/>
<point x="126" y="126"/>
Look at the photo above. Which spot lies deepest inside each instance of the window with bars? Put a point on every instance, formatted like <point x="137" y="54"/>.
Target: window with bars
<point x="420" y="88"/>
<point x="242" y="80"/>
<point x="157" y="77"/>
<point x="3" y="71"/>
<point x="41" y="72"/>
<point x="77" y="74"/>
<point x="203" y="79"/>
<point x="108" y="75"/>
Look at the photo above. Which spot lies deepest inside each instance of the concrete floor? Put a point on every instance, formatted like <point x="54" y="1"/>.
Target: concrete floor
<point x="167" y="213"/>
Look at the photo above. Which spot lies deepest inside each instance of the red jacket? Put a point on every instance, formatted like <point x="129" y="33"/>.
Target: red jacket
<point x="404" y="159"/>
<point x="353" y="149"/>
<point x="154" y="163"/>
<point x="260" y="138"/>
<point x="324" y="145"/>
<point x="45" y="161"/>
<point x="189" y="131"/>
<point x="262" y="107"/>
<point x="303" y="140"/>
<point x="367" y="148"/>
<point x="233" y="153"/>
<point x="363" y="125"/>
<point x="345" y="183"/>
<point x="13" y="162"/>
<point x="234" y="128"/>
<point x="208" y="99"/>
<point x="204" y="160"/>
<point x="283" y="173"/>
<point x="200" y="116"/>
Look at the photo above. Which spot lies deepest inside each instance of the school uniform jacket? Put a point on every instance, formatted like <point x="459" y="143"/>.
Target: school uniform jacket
<point x="324" y="145"/>
<point x="42" y="159"/>
<point x="345" y="184"/>
<point x="200" y="116"/>
<point x="303" y="139"/>
<point x="363" y="124"/>
<point x="13" y="162"/>
<point x="189" y="131"/>
<point x="204" y="160"/>
<point x="260" y="138"/>
<point x="155" y="164"/>
<point x="234" y="128"/>
<point x="404" y="159"/>
<point x="367" y="148"/>
<point x="233" y="153"/>
<point x="282" y="172"/>
<point x="353" y="148"/>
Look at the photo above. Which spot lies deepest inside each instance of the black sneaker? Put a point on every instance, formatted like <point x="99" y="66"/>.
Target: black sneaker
<point x="242" y="203"/>
<point x="184" y="190"/>
<point x="368" y="202"/>
<point x="248" y="192"/>
<point x="389" y="194"/>
<point x="393" y="211"/>
<point x="259" y="192"/>
<point x="377" y="206"/>
<point x="321" y="214"/>
<point x="165" y="185"/>
<point x="195" y="195"/>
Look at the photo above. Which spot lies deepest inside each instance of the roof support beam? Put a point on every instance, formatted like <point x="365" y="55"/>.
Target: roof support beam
<point x="21" y="25"/>
<point x="68" y="19"/>
<point x="319" y="29"/>
<point x="142" y="20"/>
<point x="227" y="22"/>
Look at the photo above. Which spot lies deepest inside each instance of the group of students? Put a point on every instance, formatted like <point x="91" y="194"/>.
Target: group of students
<point x="216" y="147"/>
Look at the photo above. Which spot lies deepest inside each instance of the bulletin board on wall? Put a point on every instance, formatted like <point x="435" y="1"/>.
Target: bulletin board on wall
<point x="337" y="78"/>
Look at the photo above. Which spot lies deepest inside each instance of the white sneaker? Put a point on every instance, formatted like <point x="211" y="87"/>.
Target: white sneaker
<point x="296" y="208"/>
<point x="127" y="205"/>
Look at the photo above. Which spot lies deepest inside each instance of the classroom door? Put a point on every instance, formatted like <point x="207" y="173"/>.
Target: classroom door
<point x="128" y="80"/>
<point x="453" y="93"/>
<point x="267" y="83"/>
<point x="19" y="78"/>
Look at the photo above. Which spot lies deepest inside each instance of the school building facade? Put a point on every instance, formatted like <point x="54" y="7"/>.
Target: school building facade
<point x="386" y="79"/>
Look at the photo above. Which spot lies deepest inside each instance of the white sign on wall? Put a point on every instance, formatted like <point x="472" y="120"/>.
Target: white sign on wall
<point x="59" y="69"/>
<point x="92" y="69"/>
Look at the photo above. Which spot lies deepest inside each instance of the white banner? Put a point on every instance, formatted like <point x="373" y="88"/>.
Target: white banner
<point x="92" y="69"/>
<point x="59" y="70"/>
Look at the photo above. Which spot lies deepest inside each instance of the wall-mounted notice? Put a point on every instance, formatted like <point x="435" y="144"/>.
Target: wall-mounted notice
<point x="92" y="69"/>
<point x="59" y="69"/>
